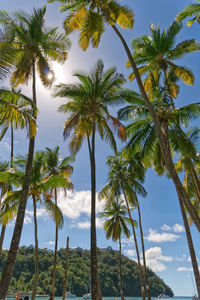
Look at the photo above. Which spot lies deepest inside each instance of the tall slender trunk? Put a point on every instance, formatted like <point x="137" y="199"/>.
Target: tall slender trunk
<point x="120" y="270"/>
<point x="35" y="280"/>
<point x="12" y="253"/>
<point x="143" y="253"/>
<point x="55" y="256"/>
<point x="195" y="180"/>
<point x="136" y="246"/>
<point x="11" y="146"/>
<point x="191" y="249"/>
<point x="166" y="152"/>
<point x="66" y="270"/>
<point x="3" y="229"/>
<point x="187" y="230"/>
<point x="95" y="285"/>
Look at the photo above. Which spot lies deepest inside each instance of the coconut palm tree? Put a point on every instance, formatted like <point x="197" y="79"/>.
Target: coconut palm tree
<point x="157" y="53"/>
<point x="190" y="11"/>
<point x="55" y="166"/>
<point x="34" y="47"/>
<point x="143" y="139"/>
<point x="87" y="109"/>
<point x="88" y="17"/>
<point x="122" y="181"/>
<point x="16" y="112"/>
<point x="39" y="190"/>
<point x="115" y="224"/>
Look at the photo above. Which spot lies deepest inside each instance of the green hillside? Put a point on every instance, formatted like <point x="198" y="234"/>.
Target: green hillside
<point x="79" y="272"/>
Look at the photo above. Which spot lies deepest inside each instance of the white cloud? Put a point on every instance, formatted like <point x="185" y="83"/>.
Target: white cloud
<point x="189" y="259"/>
<point x="154" y="236"/>
<point x="178" y="228"/>
<point x="182" y="258"/>
<point x="51" y="243"/>
<point x="155" y="259"/>
<point x="76" y="203"/>
<point x="130" y="252"/>
<point x="165" y="227"/>
<point x="86" y="224"/>
<point x="183" y="269"/>
<point x="27" y="220"/>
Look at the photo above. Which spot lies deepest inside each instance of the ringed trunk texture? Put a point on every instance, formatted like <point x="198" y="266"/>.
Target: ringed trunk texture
<point x="143" y="254"/>
<point x="55" y="256"/>
<point x="3" y="229"/>
<point x="166" y="151"/>
<point x="136" y="247"/>
<point x="12" y="253"/>
<point x="120" y="270"/>
<point x="95" y="285"/>
<point x="35" y="280"/>
<point x="66" y="269"/>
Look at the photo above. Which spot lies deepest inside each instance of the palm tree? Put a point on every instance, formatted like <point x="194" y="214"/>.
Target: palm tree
<point x="34" y="46"/>
<point x="122" y="181"/>
<point x="116" y="224"/>
<point x="143" y="139"/>
<point x="88" y="17"/>
<point x="55" y="166"/>
<point x="190" y="11"/>
<point x="157" y="53"/>
<point x="87" y="109"/>
<point x="39" y="190"/>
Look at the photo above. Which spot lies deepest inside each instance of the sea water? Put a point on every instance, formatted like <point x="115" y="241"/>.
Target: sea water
<point x="117" y="298"/>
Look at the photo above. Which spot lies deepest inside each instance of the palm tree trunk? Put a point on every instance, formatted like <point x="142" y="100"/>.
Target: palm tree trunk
<point x="3" y="229"/>
<point x="12" y="147"/>
<point x="143" y="253"/>
<point x="35" y="280"/>
<point x="166" y="151"/>
<point x="12" y="253"/>
<point x="55" y="256"/>
<point x="95" y="286"/>
<point x="195" y="180"/>
<point x="66" y="270"/>
<point x="120" y="269"/>
<point x="136" y="246"/>
<point x="191" y="249"/>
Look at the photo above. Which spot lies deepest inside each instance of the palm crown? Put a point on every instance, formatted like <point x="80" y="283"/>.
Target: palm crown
<point x="88" y="105"/>
<point x="32" y="42"/>
<point x="88" y="17"/>
<point x="157" y="53"/>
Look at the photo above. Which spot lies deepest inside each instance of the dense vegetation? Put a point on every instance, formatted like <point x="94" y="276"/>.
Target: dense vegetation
<point x="79" y="270"/>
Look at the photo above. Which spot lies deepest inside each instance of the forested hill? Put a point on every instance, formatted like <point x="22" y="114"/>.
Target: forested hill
<point x="79" y="272"/>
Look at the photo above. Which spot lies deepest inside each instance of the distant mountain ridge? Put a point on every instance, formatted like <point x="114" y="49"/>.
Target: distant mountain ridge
<point x="79" y="272"/>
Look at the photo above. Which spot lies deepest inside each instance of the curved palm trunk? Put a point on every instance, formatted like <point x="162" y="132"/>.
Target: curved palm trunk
<point x="136" y="246"/>
<point x="12" y="253"/>
<point x="191" y="249"/>
<point x="120" y="269"/>
<point x="3" y="229"/>
<point x="35" y="280"/>
<point x="55" y="256"/>
<point x="166" y="151"/>
<point x="143" y="254"/>
<point x="95" y="286"/>
<point x="66" y="270"/>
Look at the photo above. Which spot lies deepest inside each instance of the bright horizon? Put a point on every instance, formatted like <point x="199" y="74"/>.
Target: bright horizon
<point x="165" y="240"/>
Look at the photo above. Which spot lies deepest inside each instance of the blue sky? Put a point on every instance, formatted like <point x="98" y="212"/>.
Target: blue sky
<point x="165" y="240"/>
